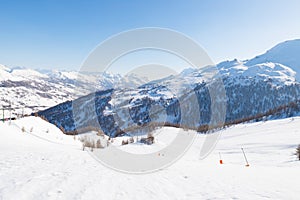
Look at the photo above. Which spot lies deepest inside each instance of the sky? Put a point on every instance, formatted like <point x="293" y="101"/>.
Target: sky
<point x="60" y="34"/>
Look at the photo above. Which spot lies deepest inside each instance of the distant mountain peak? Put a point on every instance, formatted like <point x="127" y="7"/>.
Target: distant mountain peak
<point x="4" y="68"/>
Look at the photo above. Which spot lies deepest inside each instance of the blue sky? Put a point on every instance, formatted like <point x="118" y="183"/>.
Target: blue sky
<point x="59" y="34"/>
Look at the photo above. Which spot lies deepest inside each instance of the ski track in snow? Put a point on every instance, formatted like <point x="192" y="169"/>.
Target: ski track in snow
<point x="33" y="168"/>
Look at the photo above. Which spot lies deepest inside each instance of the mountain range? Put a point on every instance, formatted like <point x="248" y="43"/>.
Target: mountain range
<point x="266" y="86"/>
<point x="27" y="90"/>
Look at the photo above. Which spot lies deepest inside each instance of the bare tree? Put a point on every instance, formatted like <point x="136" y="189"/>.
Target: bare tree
<point x="298" y="152"/>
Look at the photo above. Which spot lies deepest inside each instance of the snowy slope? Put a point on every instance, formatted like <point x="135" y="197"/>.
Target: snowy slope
<point x="56" y="168"/>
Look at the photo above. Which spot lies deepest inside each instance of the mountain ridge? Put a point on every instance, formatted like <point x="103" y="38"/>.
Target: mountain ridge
<point x="252" y="88"/>
<point x="253" y="91"/>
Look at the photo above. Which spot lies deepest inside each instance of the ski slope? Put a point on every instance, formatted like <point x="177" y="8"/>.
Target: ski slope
<point x="42" y="163"/>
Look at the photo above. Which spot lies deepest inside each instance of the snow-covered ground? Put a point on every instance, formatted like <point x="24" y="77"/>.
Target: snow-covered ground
<point x="42" y="163"/>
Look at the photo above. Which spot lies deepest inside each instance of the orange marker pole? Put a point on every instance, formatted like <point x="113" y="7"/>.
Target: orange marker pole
<point x="221" y="161"/>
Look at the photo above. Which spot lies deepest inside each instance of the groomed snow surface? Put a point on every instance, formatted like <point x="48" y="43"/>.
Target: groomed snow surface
<point x="42" y="163"/>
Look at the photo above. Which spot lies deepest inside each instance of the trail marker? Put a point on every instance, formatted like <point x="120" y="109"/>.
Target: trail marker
<point x="221" y="161"/>
<point x="247" y="164"/>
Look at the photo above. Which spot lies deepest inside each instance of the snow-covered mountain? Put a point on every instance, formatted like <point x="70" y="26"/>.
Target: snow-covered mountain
<point x="261" y="71"/>
<point x="286" y="53"/>
<point x="255" y="89"/>
<point x="32" y="90"/>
